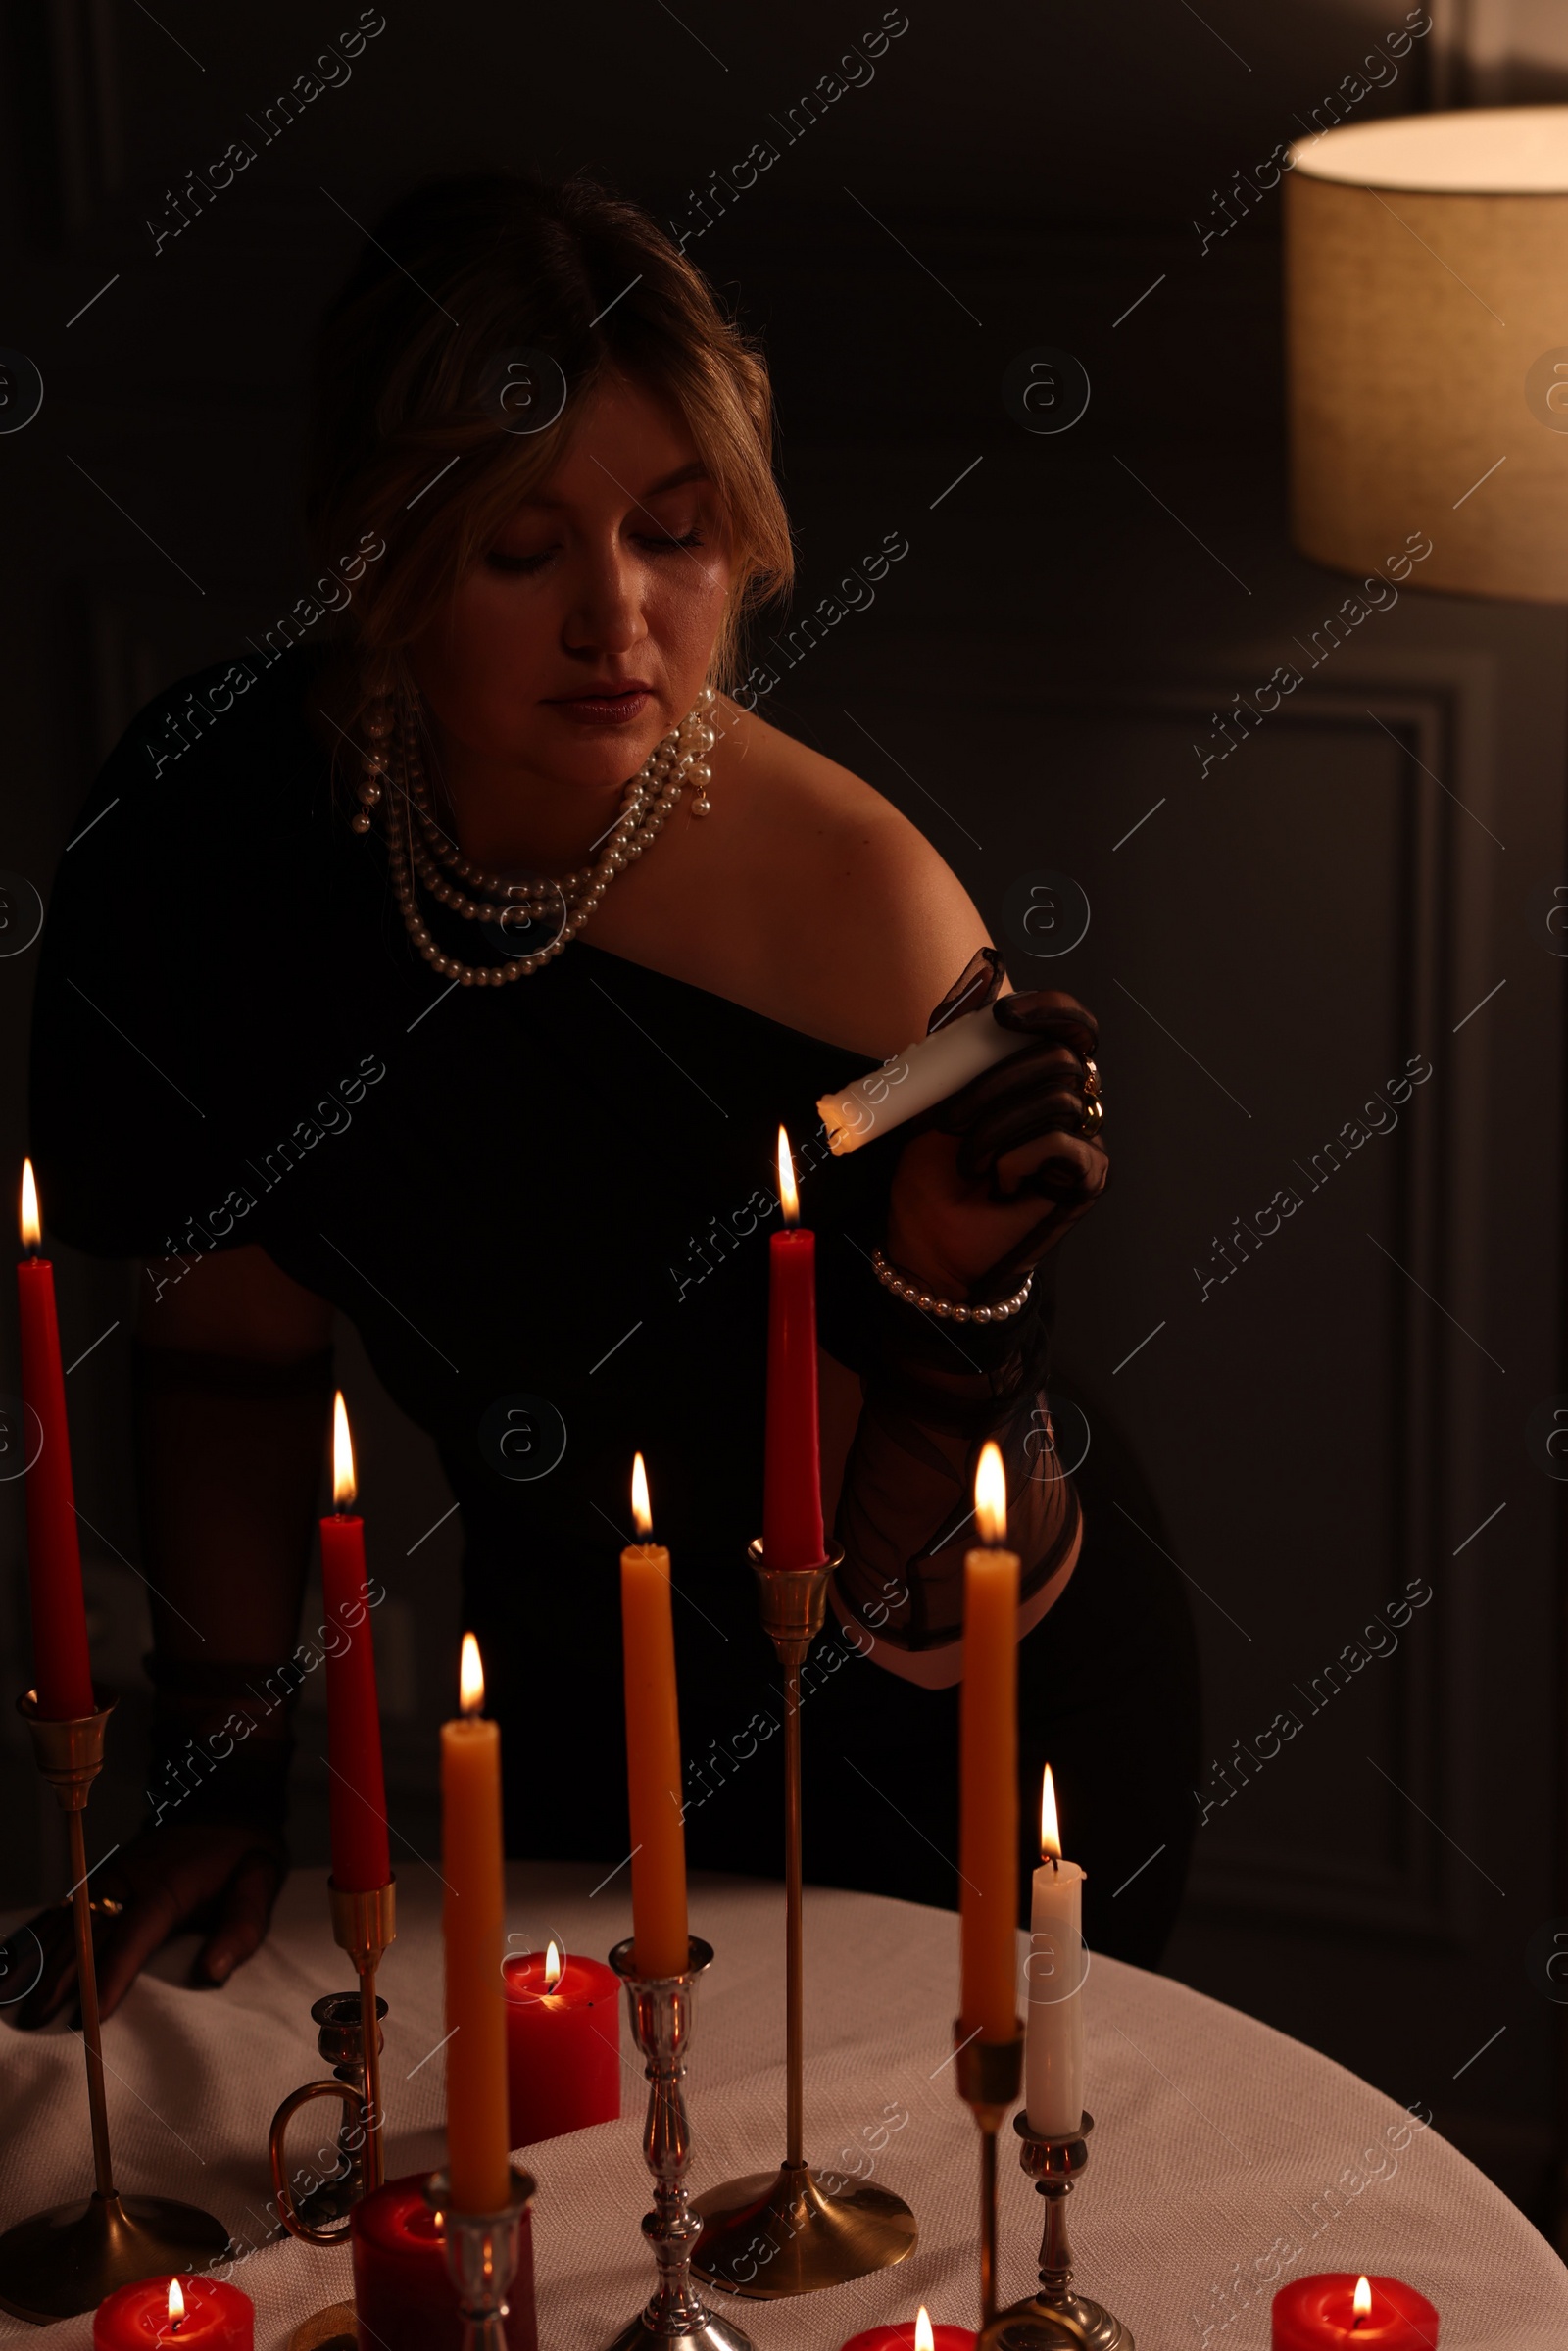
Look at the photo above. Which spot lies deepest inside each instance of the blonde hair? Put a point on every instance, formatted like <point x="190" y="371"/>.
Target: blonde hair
<point x="408" y="439"/>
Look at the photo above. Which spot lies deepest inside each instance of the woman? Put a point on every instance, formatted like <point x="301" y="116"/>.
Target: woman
<point x="317" y="1028"/>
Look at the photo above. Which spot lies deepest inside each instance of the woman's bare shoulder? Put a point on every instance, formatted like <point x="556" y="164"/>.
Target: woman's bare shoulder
<point x="868" y="920"/>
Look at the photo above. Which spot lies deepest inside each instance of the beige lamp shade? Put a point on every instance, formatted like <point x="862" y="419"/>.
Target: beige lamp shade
<point x="1426" y="265"/>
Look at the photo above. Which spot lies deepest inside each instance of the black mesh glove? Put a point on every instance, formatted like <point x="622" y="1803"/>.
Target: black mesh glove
<point x="986" y="1184"/>
<point x="218" y="1877"/>
<point x="235" y="1445"/>
<point x="988" y="1181"/>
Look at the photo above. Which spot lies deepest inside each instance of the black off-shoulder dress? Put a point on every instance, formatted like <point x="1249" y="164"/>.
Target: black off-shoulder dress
<point x="545" y="1209"/>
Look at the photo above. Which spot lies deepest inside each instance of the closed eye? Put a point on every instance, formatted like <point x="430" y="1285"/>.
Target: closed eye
<point x="516" y="566"/>
<point x="512" y="564"/>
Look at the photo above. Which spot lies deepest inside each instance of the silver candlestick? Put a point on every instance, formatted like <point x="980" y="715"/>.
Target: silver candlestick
<point x="481" y="2257"/>
<point x="676" y="2317"/>
<point x="1056" y="2317"/>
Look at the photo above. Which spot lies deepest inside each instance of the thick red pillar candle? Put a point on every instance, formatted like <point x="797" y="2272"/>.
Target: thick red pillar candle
<point x="1318" y="2313"/>
<point x="563" y="2045"/>
<point x="905" y="2337"/>
<point x="404" y="2297"/>
<point x="214" y="2316"/>
<point x="357" y="1799"/>
<point x="61" y="1671"/>
<point x="791" y="1483"/>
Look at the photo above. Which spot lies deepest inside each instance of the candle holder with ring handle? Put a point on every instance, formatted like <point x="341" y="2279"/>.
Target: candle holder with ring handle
<point x="340" y="2039"/>
<point x="349" y="2034"/>
<point x="60" y="2263"/>
<point x="676" y="2317"/>
<point x="989" y="2074"/>
<point x="1055" y="2316"/>
<point x="782" y="2232"/>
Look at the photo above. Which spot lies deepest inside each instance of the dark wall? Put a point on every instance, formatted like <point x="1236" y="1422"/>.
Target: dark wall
<point x="1276" y="929"/>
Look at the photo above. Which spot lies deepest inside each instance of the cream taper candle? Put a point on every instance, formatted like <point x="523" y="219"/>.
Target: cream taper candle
<point x="1053" y="2048"/>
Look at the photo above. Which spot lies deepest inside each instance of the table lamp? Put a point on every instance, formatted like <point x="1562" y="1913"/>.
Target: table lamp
<point x="1426" y="261"/>
<point x="1426" y="274"/>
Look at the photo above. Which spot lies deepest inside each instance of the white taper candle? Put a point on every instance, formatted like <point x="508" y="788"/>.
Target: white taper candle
<point x="1054" y="2050"/>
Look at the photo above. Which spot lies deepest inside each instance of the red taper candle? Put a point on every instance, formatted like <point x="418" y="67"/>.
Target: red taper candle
<point x="792" y="1478"/>
<point x="361" y="1857"/>
<point x="61" y="1671"/>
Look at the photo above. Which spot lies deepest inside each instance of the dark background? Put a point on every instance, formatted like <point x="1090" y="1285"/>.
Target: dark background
<point x="1268" y="942"/>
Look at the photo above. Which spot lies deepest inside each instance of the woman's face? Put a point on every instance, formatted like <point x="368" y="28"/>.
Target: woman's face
<point x="584" y="633"/>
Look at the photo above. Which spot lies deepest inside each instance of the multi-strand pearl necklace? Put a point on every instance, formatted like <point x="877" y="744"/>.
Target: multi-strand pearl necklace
<point x="421" y="853"/>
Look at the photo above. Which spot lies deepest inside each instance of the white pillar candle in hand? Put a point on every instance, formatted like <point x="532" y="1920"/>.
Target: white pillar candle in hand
<point x="1054" y="2053"/>
<point x="925" y="1073"/>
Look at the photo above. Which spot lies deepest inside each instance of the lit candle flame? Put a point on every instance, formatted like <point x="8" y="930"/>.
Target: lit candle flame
<point x="555" y="1966"/>
<point x="1363" y="2304"/>
<point x="343" y="1485"/>
<point x="470" y="1678"/>
<point x="177" y="2303"/>
<point x="991" y="1495"/>
<point x="924" y="2339"/>
<point x="789" y="1199"/>
<point x="31" y="1228"/>
<point x="641" y="1508"/>
<point x="1050" y="1832"/>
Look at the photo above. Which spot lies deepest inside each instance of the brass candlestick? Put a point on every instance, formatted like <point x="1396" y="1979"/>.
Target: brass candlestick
<point x="989" y="2074"/>
<point x="1056" y="2317"/>
<point x="482" y="2252"/>
<point x="60" y="2263"/>
<point x="362" y="1926"/>
<point x="782" y="2232"/>
<point x="340" y="2039"/>
<point x="676" y="2317"/>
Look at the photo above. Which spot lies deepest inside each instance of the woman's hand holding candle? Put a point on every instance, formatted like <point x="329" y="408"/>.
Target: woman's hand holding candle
<point x="997" y="1173"/>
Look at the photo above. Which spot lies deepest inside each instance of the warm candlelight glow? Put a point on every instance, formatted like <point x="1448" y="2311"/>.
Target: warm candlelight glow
<point x="1050" y="1832"/>
<point x="991" y="1495"/>
<point x="555" y="1967"/>
<point x="343" y="1486"/>
<point x="177" y="2303"/>
<point x="924" y="2339"/>
<point x="31" y="1228"/>
<point x="470" y="1678"/>
<point x="1363" y="2304"/>
<point x="789" y="1199"/>
<point x="642" y="1514"/>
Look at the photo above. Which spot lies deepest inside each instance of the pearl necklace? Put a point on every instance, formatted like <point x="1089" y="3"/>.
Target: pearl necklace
<point x="421" y="854"/>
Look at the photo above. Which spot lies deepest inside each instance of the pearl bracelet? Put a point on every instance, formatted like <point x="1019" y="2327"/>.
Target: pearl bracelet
<point x="914" y="1296"/>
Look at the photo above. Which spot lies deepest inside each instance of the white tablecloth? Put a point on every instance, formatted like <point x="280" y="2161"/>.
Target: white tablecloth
<point x="1225" y="2157"/>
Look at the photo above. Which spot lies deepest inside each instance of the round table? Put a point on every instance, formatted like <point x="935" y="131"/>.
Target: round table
<point x="1225" y="2159"/>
